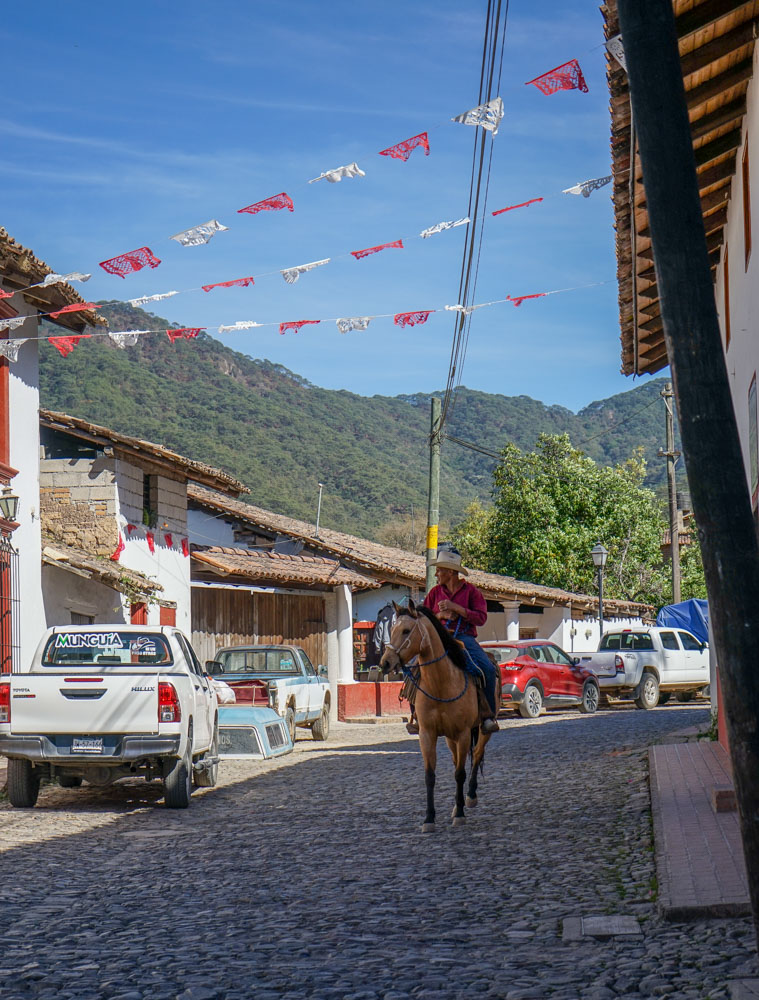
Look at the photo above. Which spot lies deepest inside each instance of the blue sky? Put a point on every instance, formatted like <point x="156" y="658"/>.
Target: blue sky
<point x="128" y="123"/>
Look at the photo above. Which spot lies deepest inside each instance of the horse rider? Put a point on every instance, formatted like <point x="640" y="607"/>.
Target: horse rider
<point x="461" y="608"/>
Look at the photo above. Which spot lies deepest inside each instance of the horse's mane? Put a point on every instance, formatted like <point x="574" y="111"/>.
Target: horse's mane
<point x="453" y="648"/>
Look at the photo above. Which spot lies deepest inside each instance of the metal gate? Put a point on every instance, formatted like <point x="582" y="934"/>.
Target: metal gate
<point x="9" y="607"/>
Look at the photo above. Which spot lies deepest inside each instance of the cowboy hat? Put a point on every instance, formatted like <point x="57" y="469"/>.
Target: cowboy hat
<point x="450" y="559"/>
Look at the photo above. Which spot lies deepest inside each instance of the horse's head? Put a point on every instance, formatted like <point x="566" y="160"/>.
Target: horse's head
<point x="406" y="638"/>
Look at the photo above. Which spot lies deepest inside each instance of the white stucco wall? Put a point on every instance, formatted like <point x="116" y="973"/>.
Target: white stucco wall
<point x="742" y="355"/>
<point x="208" y="529"/>
<point x="24" y="455"/>
<point x="368" y="603"/>
<point x="166" y="564"/>
<point x="66" y="593"/>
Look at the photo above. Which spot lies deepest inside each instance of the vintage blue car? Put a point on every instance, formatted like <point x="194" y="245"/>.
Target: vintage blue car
<point x="249" y="726"/>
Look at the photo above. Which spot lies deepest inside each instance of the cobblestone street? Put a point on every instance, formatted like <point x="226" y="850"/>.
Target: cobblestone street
<point x="308" y="877"/>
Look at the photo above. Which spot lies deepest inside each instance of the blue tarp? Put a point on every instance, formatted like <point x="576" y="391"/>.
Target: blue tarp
<point x="692" y="615"/>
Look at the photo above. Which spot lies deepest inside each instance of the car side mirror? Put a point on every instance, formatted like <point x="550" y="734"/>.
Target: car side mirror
<point x="575" y="661"/>
<point x="322" y="671"/>
<point x="704" y="645"/>
<point x="214" y="667"/>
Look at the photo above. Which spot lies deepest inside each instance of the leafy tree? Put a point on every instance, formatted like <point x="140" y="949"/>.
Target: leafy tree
<point x="552" y="505"/>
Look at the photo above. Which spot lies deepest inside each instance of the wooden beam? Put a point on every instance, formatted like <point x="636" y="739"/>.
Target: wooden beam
<point x="717" y="174"/>
<point x="717" y="147"/>
<point x="726" y="115"/>
<point x="732" y="77"/>
<point x="720" y="47"/>
<point x="707" y="13"/>
<point x="715" y="221"/>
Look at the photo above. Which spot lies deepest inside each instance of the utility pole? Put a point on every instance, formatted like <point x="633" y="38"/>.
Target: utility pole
<point x="433" y="505"/>
<point x="674" y="520"/>
<point x="708" y="430"/>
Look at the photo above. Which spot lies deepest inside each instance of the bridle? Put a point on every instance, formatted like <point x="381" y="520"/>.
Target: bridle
<point x="389" y="645"/>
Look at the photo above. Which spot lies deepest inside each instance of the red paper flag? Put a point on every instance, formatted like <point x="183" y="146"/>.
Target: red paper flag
<point x="568" y="76"/>
<point x="185" y="547"/>
<point x="296" y="324"/>
<point x="242" y="282"/>
<point x="151" y="540"/>
<point x="131" y="528"/>
<point x="76" y="307"/>
<point x="118" y="550"/>
<point x="519" y="299"/>
<point x="402" y="150"/>
<point x="126" y="263"/>
<point x="5" y="295"/>
<point x="273" y="204"/>
<point x="184" y="333"/>
<point x="412" y="318"/>
<point x="358" y="254"/>
<point x="520" y="205"/>
<point x="168" y="539"/>
<point x="65" y="345"/>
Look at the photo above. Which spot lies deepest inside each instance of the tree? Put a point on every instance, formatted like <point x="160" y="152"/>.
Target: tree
<point x="552" y="505"/>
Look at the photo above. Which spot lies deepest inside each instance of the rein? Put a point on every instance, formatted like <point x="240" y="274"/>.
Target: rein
<point x="409" y="674"/>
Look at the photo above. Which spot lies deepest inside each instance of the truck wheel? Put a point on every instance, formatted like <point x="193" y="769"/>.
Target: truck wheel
<point x="177" y="781"/>
<point x="320" y="728"/>
<point x="590" y="698"/>
<point x="684" y="696"/>
<point x="23" y="784"/>
<point x="533" y="702"/>
<point x="290" y="722"/>
<point x="208" y="777"/>
<point x="69" y="781"/>
<point x="648" y="691"/>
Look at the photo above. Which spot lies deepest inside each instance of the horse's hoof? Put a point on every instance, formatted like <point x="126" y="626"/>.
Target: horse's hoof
<point x="471" y="803"/>
<point x="459" y="821"/>
<point x="428" y="828"/>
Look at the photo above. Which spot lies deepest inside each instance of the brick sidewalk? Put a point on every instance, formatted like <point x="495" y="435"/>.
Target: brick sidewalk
<point x="699" y="854"/>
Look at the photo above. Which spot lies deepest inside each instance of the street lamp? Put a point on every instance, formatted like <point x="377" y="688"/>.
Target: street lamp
<point x="599" y="554"/>
<point x="8" y="504"/>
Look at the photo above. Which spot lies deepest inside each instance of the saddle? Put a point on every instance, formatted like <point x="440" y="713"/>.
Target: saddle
<point x="411" y="680"/>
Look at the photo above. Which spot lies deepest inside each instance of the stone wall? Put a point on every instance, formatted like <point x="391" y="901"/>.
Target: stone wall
<point x="78" y="502"/>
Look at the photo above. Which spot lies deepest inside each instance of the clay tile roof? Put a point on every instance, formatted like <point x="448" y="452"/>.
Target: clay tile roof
<point x="716" y="42"/>
<point x="112" y="574"/>
<point x="255" y="565"/>
<point x="19" y="268"/>
<point x="206" y="474"/>
<point x="397" y="565"/>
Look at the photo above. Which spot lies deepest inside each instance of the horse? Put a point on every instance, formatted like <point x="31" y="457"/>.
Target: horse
<point x="446" y="701"/>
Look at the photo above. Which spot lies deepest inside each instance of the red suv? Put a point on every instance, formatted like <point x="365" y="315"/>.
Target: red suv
<point x="536" y="672"/>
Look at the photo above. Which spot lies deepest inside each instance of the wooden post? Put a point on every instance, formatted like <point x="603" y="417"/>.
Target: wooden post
<point x="711" y="446"/>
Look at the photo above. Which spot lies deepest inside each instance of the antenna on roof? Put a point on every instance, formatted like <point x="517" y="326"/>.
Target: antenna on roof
<point x="319" y="510"/>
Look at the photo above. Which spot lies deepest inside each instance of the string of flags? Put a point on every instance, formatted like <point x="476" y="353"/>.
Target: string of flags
<point x="150" y="537"/>
<point x="345" y="324"/>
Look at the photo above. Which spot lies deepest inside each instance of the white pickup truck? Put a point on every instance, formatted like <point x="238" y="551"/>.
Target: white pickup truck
<point x="649" y="664"/>
<point x="101" y="702"/>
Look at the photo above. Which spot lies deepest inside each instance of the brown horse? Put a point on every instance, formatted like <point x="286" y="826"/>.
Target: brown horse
<point x="446" y="701"/>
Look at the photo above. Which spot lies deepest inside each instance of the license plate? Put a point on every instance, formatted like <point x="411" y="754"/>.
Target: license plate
<point x="86" y="746"/>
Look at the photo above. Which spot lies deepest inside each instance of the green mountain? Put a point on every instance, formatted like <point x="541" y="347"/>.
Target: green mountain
<point x="282" y="436"/>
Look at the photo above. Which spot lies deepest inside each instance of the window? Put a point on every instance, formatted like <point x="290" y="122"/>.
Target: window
<point x="307" y="664"/>
<point x="753" y="442"/>
<point x="610" y="641"/>
<point x="103" y="646"/>
<point x="669" y="640"/>
<point x="554" y="655"/>
<point x="726" y="295"/>
<point x="746" y="202"/>
<point x="689" y="641"/>
<point x="77" y="619"/>
<point x="627" y="641"/>
<point x="168" y="616"/>
<point x="149" y="500"/>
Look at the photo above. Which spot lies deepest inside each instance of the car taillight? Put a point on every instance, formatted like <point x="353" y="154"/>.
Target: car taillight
<point x="513" y="665"/>
<point x="5" y="702"/>
<point x="168" y="703"/>
<point x="619" y="663"/>
<point x="273" y="698"/>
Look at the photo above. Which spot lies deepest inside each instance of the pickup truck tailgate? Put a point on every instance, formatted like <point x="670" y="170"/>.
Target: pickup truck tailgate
<point x="602" y="664"/>
<point x="84" y="703"/>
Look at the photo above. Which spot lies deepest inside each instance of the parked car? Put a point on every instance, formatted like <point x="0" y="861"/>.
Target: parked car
<point x="649" y="664"/>
<point x="296" y="690"/>
<point x="536" y="672"/>
<point x="248" y="725"/>
<point x="102" y="702"/>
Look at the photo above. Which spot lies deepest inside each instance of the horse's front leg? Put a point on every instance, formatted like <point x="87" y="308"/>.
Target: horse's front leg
<point x="428" y="745"/>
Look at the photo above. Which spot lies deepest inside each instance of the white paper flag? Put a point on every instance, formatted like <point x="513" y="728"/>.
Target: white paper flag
<point x="9" y="348"/>
<point x="488" y="115"/>
<point x="199" y="234"/>
<point x="58" y="279"/>
<point x="614" y="48"/>
<point x="12" y="322"/>
<point x="585" y="188"/>
<point x="151" y="298"/>
<point x="291" y="274"/>
<point x="441" y="226"/>
<point x="353" y="323"/>
<point x="241" y="325"/>
<point x="126" y="338"/>
<point x="333" y="176"/>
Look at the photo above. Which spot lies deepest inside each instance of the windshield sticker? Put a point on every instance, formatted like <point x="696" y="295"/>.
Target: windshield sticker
<point x="144" y="645"/>
<point x="78" y="640"/>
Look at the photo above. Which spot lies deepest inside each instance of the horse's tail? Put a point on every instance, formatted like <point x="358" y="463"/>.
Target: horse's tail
<point x="472" y="745"/>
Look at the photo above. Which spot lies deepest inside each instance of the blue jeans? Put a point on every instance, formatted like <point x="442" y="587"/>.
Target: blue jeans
<point x="483" y="661"/>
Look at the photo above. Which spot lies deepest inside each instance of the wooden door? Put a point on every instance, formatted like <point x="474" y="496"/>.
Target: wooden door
<point x="293" y="619"/>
